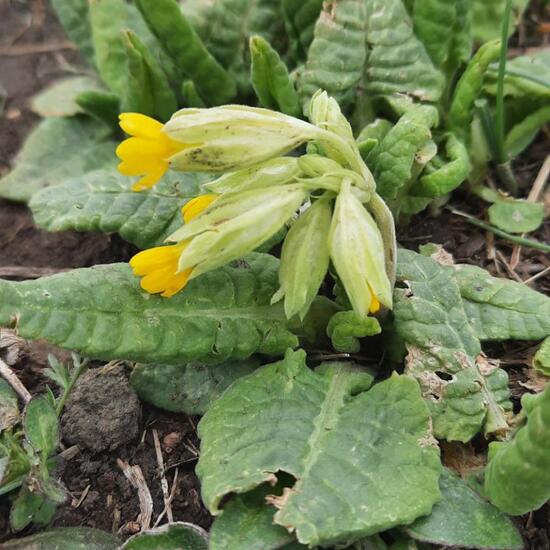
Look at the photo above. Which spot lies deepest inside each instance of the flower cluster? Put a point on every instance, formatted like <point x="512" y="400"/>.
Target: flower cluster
<point x="328" y="197"/>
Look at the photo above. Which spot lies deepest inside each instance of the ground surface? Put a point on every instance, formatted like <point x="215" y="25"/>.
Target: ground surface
<point x="34" y="52"/>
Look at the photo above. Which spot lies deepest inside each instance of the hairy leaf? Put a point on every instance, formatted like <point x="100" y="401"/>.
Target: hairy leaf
<point x="541" y="360"/>
<point x="173" y="536"/>
<point x="41" y="425"/>
<point x="392" y="160"/>
<point x="346" y="327"/>
<point x="57" y="149"/>
<point x="189" y="388"/>
<point x="465" y="392"/>
<point x="30" y="507"/>
<point x="397" y="61"/>
<point x="65" y="538"/>
<point x="101" y="312"/>
<point x="464" y="520"/>
<point x="517" y="477"/>
<point x="500" y="309"/>
<point x="468" y="89"/>
<point x="147" y="89"/>
<point x="337" y="54"/>
<point x="270" y="79"/>
<point x="103" y="201"/>
<point x="75" y="18"/>
<point x="184" y="46"/>
<point x="247" y="522"/>
<point x="59" y="99"/>
<point x="516" y="216"/>
<point x="330" y="434"/>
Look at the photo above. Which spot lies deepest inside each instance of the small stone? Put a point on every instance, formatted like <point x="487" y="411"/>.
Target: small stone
<point x="102" y="413"/>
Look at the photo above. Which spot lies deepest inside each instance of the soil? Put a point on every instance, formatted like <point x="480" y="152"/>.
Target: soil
<point x="99" y="433"/>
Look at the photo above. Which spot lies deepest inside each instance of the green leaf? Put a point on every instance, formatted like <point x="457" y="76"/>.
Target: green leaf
<point x="517" y="477"/>
<point x="522" y="134"/>
<point x="270" y="79"/>
<point x="488" y="13"/>
<point x="66" y="538"/>
<point x="437" y="181"/>
<point x="103" y="201"/>
<point x="103" y="106"/>
<point x="541" y="360"/>
<point x="58" y="148"/>
<point x="300" y="18"/>
<point x="464" y="392"/>
<point x="75" y="18"/>
<point x="371" y="135"/>
<point x="464" y="520"/>
<point x="174" y="536"/>
<point x="102" y="313"/>
<point x="342" y="444"/>
<point x="468" y="89"/>
<point x="337" y="55"/>
<point x="180" y="41"/>
<point x="516" y="216"/>
<point x="147" y="89"/>
<point x="189" y="388"/>
<point x="397" y="61"/>
<point x="59" y="98"/>
<point x="346" y="327"/>
<point x="444" y="28"/>
<point x="29" y="507"/>
<point x="392" y="160"/>
<point x="41" y="425"/>
<point x="500" y="309"/>
<point x="247" y="522"/>
<point x="225" y="27"/>
<point x="9" y="408"/>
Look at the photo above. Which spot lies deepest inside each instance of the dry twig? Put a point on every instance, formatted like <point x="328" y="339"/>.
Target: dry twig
<point x="135" y="476"/>
<point x="163" y="482"/>
<point x="14" y="382"/>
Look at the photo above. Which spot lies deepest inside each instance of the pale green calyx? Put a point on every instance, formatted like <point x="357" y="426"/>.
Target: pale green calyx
<point x="357" y="251"/>
<point x="305" y="259"/>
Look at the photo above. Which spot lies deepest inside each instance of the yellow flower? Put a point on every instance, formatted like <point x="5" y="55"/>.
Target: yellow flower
<point x="159" y="266"/>
<point x="147" y="152"/>
<point x="195" y="206"/>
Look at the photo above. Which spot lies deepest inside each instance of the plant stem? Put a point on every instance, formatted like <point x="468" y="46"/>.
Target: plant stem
<point x="80" y="368"/>
<point x="530" y="243"/>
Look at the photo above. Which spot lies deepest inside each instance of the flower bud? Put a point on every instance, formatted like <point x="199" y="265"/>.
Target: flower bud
<point x="357" y="251"/>
<point x="305" y="259"/>
<point x="221" y="139"/>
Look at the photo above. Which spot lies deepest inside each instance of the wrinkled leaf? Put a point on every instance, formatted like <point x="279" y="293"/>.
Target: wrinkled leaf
<point x="41" y="424"/>
<point x="516" y="216"/>
<point x="65" y="538"/>
<point x="541" y="360"/>
<point x="330" y="435"/>
<point x="517" y="477"/>
<point x="500" y="309"/>
<point x="397" y="61"/>
<point x="75" y="18"/>
<point x="174" y="536"/>
<point x="346" y="327"/>
<point x="59" y="99"/>
<point x="189" y="388"/>
<point x="464" y="520"/>
<point x="103" y="201"/>
<point x="188" y="52"/>
<point x="336" y="57"/>
<point x="101" y="312"/>
<point x="270" y="79"/>
<point x="247" y="522"/>
<point x="464" y="392"/>
<point x="58" y="148"/>
<point x="300" y="18"/>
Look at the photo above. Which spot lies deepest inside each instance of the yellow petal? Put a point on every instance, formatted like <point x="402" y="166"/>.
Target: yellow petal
<point x="136" y="124"/>
<point x="141" y="151"/>
<point x="151" y="178"/>
<point x="158" y="280"/>
<point x="177" y="283"/>
<point x="374" y="303"/>
<point x="196" y="206"/>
